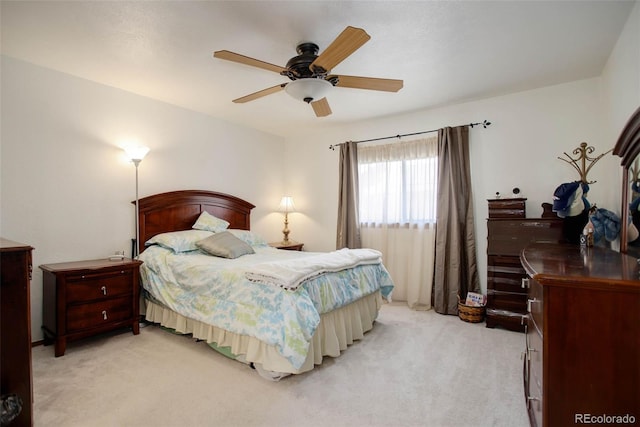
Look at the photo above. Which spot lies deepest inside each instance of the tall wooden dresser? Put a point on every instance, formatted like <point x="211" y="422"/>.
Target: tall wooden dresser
<point x="582" y="350"/>
<point x="508" y="233"/>
<point x="15" y="328"/>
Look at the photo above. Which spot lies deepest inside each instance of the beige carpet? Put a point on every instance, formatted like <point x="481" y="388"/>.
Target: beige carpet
<point x="412" y="369"/>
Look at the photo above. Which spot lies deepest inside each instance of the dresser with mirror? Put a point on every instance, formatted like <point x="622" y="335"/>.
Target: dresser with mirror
<point x="582" y="341"/>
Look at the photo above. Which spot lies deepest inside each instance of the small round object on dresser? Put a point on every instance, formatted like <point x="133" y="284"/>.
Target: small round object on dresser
<point x="516" y="191"/>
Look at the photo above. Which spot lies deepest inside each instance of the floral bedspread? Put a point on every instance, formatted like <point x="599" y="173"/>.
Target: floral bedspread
<point x="215" y="291"/>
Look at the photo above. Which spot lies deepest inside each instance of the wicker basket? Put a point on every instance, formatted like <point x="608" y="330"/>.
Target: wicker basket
<point x="470" y="313"/>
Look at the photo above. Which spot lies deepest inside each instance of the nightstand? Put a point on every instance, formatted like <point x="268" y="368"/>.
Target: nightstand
<point x="289" y="246"/>
<point x="85" y="298"/>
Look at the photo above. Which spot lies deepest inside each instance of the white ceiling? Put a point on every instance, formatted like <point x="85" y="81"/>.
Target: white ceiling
<point x="445" y="51"/>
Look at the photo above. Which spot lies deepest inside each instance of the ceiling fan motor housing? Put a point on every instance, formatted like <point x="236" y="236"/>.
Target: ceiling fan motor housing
<point x="298" y="66"/>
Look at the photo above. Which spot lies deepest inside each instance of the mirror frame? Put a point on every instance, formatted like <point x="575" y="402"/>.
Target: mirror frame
<point x="627" y="147"/>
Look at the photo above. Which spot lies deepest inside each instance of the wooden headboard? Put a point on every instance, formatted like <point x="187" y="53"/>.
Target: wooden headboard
<point x="179" y="210"/>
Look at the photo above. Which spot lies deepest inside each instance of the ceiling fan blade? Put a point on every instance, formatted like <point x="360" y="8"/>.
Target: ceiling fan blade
<point x="321" y="107"/>
<point x="370" y="83"/>
<point x="236" y="57"/>
<point x="260" y="94"/>
<point x="344" y="45"/>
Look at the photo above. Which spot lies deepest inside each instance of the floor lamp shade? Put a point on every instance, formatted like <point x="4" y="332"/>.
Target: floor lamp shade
<point x="136" y="152"/>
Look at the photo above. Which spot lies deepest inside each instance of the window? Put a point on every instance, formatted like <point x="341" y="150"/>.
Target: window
<point x="398" y="183"/>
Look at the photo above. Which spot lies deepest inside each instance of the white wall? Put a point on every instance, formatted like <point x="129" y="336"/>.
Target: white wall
<point x="66" y="185"/>
<point x="621" y="76"/>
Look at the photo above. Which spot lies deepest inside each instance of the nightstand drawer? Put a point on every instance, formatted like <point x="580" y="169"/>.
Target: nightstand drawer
<point x="97" y="286"/>
<point x="100" y="313"/>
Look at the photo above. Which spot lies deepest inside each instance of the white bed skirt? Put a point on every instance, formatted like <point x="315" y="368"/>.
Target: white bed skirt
<point x="337" y="330"/>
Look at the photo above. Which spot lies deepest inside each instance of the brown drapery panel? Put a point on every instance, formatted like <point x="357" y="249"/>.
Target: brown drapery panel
<point x="455" y="270"/>
<point x="348" y="220"/>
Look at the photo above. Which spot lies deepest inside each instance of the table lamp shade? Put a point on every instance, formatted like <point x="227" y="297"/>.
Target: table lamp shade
<point x="286" y="205"/>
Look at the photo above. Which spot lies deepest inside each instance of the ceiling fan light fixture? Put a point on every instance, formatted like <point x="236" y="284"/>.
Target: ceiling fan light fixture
<point x="308" y="90"/>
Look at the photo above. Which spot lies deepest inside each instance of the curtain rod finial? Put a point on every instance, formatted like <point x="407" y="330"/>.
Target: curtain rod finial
<point x="484" y="124"/>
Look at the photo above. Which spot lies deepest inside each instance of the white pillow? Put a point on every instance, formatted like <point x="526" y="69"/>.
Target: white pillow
<point x="208" y="222"/>
<point x="179" y="241"/>
<point x="249" y="237"/>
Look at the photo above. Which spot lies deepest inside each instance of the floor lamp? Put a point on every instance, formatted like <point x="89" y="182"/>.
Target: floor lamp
<point x="135" y="155"/>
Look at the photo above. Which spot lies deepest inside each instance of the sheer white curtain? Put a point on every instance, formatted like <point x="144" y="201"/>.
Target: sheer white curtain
<point x="397" y="209"/>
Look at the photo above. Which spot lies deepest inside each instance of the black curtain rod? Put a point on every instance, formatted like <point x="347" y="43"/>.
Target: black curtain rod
<point x="484" y="124"/>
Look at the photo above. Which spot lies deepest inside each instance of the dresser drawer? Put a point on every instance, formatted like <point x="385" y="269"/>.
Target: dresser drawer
<point x="507" y="208"/>
<point x="507" y="319"/>
<point x="509" y="237"/>
<point x="85" y="316"/>
<point x="90" y="287"/>
<point x="505" y="273"/>
<point x="535" y="305"/>
<point x="509" y="263"/>
<point x="506" y="282"/>
<point x="516" y="302"/>
<point x="534" y="357"/>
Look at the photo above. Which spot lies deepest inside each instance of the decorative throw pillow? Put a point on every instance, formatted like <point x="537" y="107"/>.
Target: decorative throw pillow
<point x="249" y="237"/>
<point x="225" y="245"/>
<point x="179" y="241"/>
<point x="206" y="221"/>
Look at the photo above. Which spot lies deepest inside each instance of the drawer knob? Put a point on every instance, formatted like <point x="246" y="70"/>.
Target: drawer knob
<point x="525" y="283"/>
<point x="529" y="302"/>
<point x="104" y="314"/>
<point x="104" y="290"/>
<point x="528" y="352"/>
<point x="532" y="399"/>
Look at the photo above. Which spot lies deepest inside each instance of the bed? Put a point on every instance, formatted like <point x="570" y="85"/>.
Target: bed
<point x="320" y="304"/>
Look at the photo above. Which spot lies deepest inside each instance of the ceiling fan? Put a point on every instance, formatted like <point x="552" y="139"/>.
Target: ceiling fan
<point x="309" y="72"/>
